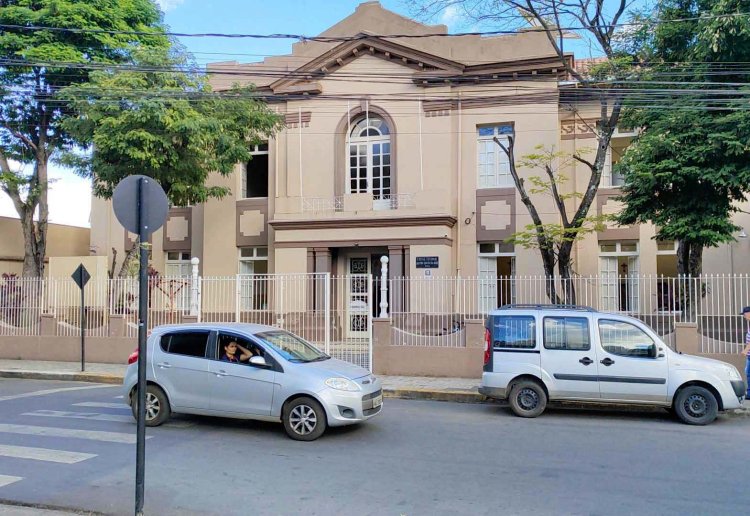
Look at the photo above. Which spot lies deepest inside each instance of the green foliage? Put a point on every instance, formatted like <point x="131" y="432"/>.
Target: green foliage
<point x="690" y="166"/>
<point x="552" y="185"/>
<point x="165" y="125"/>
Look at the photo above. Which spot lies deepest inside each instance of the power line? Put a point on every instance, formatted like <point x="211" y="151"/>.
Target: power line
<point x="359" y="37"/>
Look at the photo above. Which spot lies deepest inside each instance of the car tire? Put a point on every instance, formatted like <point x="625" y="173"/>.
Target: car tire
<point x="304" y="419"/>
<point x="157" y="405"/>
<point x="527" y="399"/>
<point x="696" y="405"/>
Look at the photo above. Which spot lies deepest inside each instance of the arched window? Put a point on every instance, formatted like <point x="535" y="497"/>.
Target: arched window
<point x="370" y="159"/>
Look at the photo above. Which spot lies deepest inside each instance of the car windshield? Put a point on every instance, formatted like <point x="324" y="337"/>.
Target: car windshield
<point x="291" y="347"/>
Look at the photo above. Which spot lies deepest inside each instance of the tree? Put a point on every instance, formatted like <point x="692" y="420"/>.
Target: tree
<point x="599" y="84"/>
<point x="550" y="238"/>
<point x="34" y="66"/>
<point x="160" y="118"/>
<point x="690" y="166"/>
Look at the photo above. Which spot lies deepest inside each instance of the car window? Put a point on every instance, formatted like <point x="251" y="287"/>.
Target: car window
<point x="567" y="333"/>
<point x="224" y="339"/>
<point x="625" y="339"/>
<point x="192" y="344"/>
<point x="291" y="347"/>
<point x="514" y="331"/>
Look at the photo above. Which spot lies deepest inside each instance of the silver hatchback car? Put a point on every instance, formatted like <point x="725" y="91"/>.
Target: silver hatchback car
<point x="250" y="371"/>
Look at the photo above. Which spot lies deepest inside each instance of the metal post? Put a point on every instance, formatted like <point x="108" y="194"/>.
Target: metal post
<point x="83" y="330"/>
<point x="327" y="311"/>
<point x="194" y="287"/>
<point x="140" y="462"/>
<point x="384" y="287"/>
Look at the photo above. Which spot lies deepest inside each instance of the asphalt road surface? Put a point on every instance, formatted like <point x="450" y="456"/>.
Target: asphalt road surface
<point x="66" y="444"/>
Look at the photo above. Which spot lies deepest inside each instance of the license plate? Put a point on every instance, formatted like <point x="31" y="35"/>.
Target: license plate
<point x="376" y="402"/>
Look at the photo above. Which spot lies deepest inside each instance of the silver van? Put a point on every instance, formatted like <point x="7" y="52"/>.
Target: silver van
<point x="536" y="353"/>
<point x="250" y="371"/>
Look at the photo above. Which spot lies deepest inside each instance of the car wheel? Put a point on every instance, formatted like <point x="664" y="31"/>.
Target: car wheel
<point x="157" y="406"/>
<point x="696" y="405"/>
<point x="304" y="419"/>
<point x="527" y="399"/>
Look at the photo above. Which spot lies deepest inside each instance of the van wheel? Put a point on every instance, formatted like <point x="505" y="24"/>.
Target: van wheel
<point x="157" y="405"/>
<point x="527" y="399"/>
<point x="696" y="405"/>
<point x="304" y="419"/>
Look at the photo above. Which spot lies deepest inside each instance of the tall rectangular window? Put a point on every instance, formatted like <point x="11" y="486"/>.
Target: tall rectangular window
<point x="493" y="165"/>
<point x="254" y="281"/>
<point x="255" y="174"/>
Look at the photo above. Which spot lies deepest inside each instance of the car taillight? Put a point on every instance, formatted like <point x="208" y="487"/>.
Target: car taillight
<point x="133" y="358"/>
<point x="487" y="346"/>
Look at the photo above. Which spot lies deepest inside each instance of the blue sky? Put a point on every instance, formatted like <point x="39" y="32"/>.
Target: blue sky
<point x="70" y="195"/>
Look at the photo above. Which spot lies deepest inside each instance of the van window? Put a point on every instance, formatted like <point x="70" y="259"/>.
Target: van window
<point x="192" y="344"/>
<point x="514" y="332"/>
<point x="625" y="339"/>
<point x="567" y="333"/>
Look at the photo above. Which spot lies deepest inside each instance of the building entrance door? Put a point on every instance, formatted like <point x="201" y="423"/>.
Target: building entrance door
<point x="358" y="297"/>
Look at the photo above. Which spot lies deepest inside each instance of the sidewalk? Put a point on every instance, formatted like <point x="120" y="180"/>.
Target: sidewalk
<point x="406" y="387"/>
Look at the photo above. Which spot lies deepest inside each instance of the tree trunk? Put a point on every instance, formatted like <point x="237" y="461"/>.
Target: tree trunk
<point x="683" y="258"/>
<point x="548" y="261"/>
<point x="565" y="269"/>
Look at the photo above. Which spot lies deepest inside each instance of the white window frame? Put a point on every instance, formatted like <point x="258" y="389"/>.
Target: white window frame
<point x="381" y="200"/>
<point x="610" y="278"/>
<point x="249" y="282"/>
<point x="255" y="150"/>
<point x="181" y="263"/>
<point x="493" y="165"/>
<point x="666" y="252"/>
<point x="487" y="274"/>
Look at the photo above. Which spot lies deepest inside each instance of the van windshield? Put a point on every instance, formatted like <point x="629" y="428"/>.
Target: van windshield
<point x="291" y="347"/>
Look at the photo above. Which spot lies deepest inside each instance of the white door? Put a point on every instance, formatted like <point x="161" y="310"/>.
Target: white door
<point x="569" y="357"/>
<point x="487" y="284"/>
<point x="609" y="284"/>
<point x="633" y="284"/>
<point x="631" y="364"/>
<point x="358" y="297"/>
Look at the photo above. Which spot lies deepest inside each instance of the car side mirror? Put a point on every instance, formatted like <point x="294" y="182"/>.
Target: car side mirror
<point x="258" y="361"/>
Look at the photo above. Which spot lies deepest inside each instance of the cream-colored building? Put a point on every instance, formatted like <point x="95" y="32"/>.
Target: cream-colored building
<point x="61" y="241"/>
<point x="388" y="151"/>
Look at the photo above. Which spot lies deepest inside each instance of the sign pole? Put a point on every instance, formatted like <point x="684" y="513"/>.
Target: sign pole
<point x="150" y="213"/>
<point x="140" y="462"/>
<point x="83" y="331"/>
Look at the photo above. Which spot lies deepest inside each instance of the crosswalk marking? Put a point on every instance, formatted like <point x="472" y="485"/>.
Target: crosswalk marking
<point x="96" y="404"/>
<point x="90" y="416"/>
<point x="6" y="480"/>
<point x="43" y="454"/>
<point x="52" y="391"/>
<point x="92" y="435"/>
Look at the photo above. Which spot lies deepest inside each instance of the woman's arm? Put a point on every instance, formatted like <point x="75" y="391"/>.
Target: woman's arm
<point x="746" y="351"/>
<point x="246" y="353"/>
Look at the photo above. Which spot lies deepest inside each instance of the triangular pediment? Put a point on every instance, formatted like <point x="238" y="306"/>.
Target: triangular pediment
<point x="306" y="76"/>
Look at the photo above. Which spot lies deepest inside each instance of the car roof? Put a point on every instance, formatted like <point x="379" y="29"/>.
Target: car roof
<point x="237" y="327"/>
<point x="541" y="308"/>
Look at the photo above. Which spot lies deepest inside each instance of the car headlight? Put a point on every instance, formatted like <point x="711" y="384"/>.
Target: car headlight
<point x="733" y="373"/>
<point x="342" y="384"/>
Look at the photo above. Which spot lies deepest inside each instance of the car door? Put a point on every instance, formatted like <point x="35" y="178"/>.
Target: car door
<point x="241" y="388"/>
<point x="181" y="368"/>
<point x="631" y="365"/>
<point x="569" y="359"/>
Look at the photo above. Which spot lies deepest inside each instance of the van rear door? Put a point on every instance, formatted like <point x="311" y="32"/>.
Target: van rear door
<point x="513" y="343"/>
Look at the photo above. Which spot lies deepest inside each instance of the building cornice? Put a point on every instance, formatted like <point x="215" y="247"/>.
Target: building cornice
<point x="372" y="222"/>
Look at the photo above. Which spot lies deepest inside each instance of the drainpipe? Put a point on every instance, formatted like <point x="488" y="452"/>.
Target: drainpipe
<point x="459" y="192"/>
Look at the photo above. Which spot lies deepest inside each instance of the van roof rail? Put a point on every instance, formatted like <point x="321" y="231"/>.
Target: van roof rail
<point x="547" y="307"/>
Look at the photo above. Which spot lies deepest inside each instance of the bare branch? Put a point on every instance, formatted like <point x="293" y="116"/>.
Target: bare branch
<point x="556" y="195"/>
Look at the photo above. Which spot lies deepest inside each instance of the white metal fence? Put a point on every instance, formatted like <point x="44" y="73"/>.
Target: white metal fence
<point x="336" y="312"/>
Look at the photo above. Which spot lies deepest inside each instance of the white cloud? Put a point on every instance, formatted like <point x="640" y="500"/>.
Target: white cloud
<point x="168" y="5"/>
<point x="450" y="16"/>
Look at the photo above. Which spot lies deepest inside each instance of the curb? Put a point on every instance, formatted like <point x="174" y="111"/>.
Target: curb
<point x="449" y="395"/>
<point x="63" y="376"/>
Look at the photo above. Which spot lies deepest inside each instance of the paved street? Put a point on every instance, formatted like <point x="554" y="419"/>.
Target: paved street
<point x="67" y="444"/>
